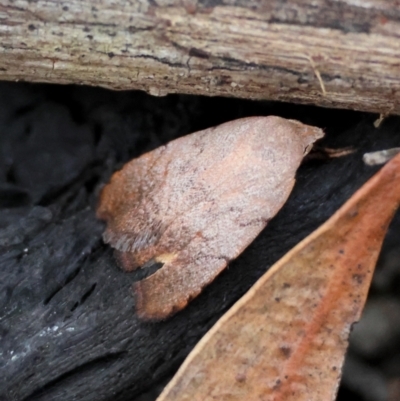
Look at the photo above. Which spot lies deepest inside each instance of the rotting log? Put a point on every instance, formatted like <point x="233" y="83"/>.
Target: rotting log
<point x="335" y="54"/>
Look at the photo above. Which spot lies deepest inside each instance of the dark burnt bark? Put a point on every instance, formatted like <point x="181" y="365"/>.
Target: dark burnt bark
<point x="67" y="322"/>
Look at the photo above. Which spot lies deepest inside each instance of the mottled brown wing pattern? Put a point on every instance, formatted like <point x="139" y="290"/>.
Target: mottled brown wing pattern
<point x="198" y="202"/>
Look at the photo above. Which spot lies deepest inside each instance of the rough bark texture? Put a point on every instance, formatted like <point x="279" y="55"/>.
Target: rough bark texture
<point x="342" y="53"/>
<point x="68" y="328"/>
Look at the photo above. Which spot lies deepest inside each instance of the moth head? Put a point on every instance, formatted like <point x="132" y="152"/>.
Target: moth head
<point x="309" y="135"/>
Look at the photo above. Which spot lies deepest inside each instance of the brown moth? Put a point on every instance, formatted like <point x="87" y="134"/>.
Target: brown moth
<point x="286" y="338"/>
<point x="196" y="203"/>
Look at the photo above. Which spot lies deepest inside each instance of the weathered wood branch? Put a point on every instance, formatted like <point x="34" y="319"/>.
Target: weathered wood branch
<point x="337" y="54"/>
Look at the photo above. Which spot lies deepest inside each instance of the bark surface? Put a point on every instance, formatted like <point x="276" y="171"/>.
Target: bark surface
<point x="342" y="53"/>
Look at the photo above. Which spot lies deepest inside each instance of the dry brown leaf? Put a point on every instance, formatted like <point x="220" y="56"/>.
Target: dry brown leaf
<point x="198" y="202"/>
<point x="285" y="340"/>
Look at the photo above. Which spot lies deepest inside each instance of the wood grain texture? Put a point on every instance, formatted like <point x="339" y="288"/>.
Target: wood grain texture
<point x="335" y="54"/>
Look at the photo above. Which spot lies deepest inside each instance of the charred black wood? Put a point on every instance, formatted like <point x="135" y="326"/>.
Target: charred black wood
<point x="68" y="329"/>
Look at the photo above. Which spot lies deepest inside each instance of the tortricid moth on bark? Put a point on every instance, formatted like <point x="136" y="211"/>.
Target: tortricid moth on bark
<point x="196" y="203"/>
